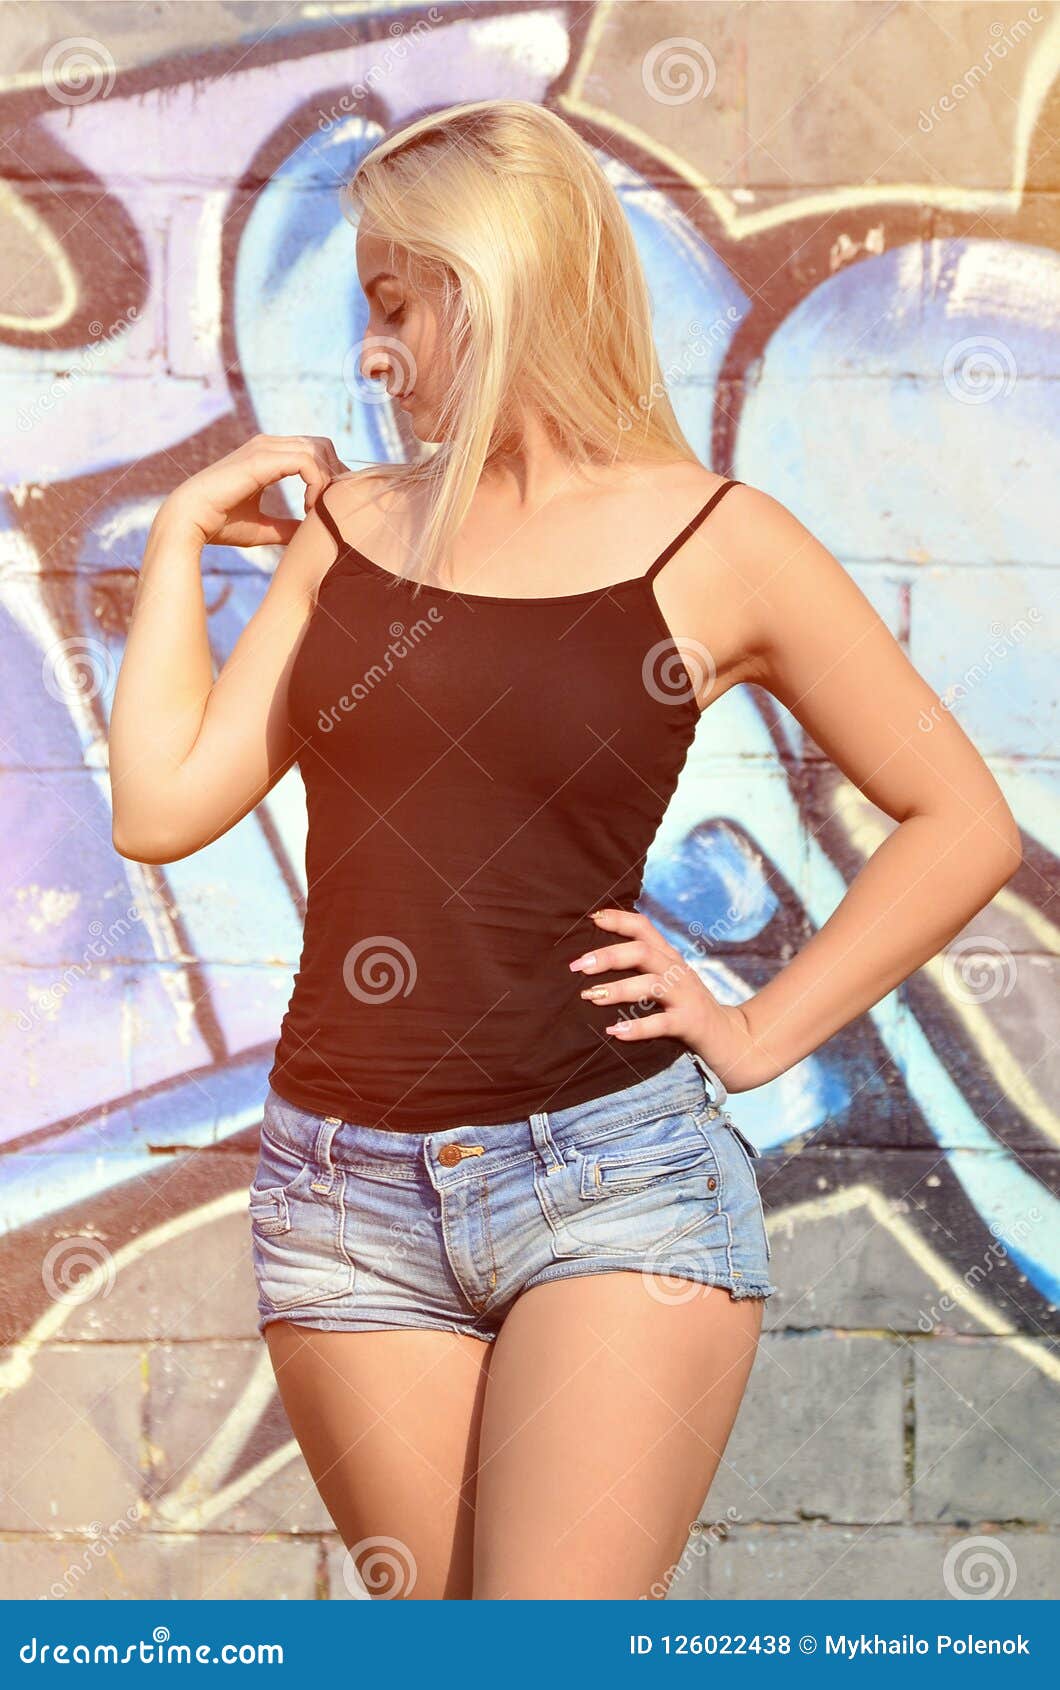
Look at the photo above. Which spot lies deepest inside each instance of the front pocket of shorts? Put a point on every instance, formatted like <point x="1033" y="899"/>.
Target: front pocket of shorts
<point x="300" y="1238"/>
<point x="268" y="1209"/>
<point x="611" y="1173"/>
<point x="638" y="1200"/>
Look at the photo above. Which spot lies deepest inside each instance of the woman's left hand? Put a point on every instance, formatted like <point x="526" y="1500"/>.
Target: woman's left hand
<point x="718" y="1032"/>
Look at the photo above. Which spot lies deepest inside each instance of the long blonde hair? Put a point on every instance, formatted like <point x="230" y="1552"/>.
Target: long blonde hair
<point x="544" y="298"/>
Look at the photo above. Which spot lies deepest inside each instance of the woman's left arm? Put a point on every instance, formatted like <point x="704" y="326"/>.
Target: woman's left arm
<point x="817" y="644"/>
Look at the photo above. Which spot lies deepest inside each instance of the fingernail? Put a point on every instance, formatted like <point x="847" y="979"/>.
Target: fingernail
<point x="594" y="992"/>
<point x="586" y="961"/>
<point x="616" y="1027"/>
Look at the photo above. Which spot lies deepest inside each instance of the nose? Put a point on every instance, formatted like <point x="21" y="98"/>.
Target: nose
<point x="378" y="364"/>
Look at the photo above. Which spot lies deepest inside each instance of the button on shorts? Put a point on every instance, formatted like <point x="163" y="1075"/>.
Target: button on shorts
<point x="359" y="1229"/>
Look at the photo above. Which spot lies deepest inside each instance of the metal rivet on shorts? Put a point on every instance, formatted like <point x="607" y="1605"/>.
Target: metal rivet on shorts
<point x="450" y="1154"/>
<point x="712" y="1184"/>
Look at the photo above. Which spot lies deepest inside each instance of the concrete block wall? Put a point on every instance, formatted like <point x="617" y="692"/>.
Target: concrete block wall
<point x="849" y="217"/>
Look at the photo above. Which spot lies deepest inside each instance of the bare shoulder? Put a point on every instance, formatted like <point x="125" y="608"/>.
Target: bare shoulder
<point x="752" y="533"/>
<point x="734" y="520"/>
<point x="673" y="486"/>
<point x="782" y="587"/>
<point x="744" y="518"/>
<point x="360" y="501"/>
<point x="762" y="515"/>
<point x="747" y="577"/>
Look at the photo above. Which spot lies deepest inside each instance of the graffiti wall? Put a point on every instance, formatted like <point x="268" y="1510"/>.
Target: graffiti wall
<point x="850" y="224"/>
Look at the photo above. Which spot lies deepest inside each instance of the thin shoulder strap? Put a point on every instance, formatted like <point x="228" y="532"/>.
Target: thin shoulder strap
<point x="679" y="539"/>
<point x="328" y="520"/>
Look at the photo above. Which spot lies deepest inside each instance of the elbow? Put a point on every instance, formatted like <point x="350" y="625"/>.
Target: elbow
<point x="1003" y="847"/>
<point x="1012" y="855"/>
<point x="141" y="847"/>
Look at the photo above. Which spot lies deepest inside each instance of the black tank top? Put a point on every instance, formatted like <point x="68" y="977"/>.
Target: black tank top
<point x="480" y="774"/>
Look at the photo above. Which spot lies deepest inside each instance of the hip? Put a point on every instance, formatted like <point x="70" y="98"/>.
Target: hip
<point x="357" y="1225"/>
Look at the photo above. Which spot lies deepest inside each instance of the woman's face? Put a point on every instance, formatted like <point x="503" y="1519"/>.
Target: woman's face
<point x="404" y="343"/>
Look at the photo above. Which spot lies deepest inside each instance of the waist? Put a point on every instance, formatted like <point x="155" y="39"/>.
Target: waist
<point x="672" y="1086"/>
<point x="416" y="1085"/>
<point x="432" y="1018"/>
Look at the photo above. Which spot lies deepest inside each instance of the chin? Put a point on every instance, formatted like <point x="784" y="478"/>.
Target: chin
<point x="423" y="427"/>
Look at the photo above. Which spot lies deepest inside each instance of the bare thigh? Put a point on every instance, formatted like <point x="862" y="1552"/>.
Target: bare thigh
<point x="609" y="1403"/>
<point x="388" y="1423"/>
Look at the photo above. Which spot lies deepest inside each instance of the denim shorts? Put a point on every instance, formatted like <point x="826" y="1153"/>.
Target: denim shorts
<point x="363" y="1229"/>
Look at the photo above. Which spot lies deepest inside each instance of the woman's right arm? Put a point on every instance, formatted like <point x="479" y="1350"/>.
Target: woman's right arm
<point x="191" y="753"/>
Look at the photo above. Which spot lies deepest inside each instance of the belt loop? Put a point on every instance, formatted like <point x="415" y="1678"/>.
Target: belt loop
<point x="544" y="1143"/>
<point x="329" y="1126"/>
<point x="717" y="1084"/>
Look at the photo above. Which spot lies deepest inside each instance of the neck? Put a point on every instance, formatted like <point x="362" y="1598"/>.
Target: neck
<point x="533" y="473"/>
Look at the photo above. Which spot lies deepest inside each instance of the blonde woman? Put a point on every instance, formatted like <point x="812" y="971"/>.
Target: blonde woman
<point x="508" y="1243"/>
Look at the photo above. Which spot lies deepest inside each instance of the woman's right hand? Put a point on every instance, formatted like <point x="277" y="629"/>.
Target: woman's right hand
<point x="223" y="500"/>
